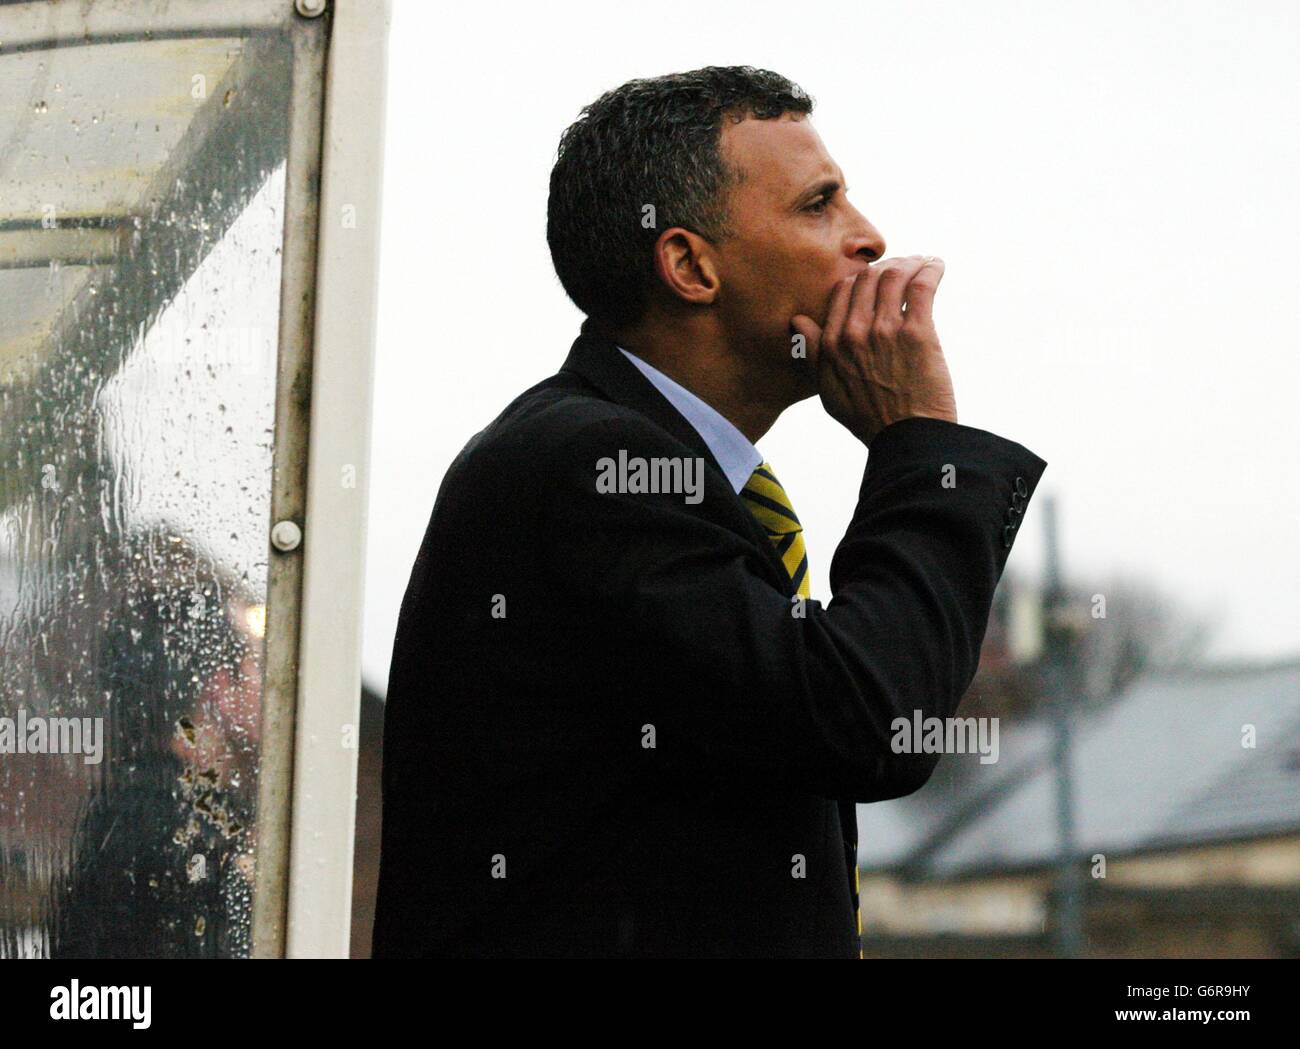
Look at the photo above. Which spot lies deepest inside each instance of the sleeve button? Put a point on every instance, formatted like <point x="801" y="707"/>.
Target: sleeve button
<point x="1022" y="489"/>
<point x="1008" y="534"/>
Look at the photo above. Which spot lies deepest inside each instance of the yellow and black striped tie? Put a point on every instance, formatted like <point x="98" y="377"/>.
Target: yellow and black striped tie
<point x="768" y="502"/>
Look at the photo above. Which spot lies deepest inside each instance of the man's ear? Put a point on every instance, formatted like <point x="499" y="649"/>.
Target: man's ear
<point x="686" y="266"/>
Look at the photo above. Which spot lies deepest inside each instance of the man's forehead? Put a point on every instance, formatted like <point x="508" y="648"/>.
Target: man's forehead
<point x="783" y="154"/>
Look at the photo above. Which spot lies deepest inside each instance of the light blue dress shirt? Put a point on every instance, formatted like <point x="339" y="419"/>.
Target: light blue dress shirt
<point x="735" y="454"/>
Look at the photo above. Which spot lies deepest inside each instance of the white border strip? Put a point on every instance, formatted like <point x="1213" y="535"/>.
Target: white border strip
<point x="329" y="668"/>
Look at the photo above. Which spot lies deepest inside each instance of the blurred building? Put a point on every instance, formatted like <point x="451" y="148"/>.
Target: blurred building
<point x="1187" y="796"/>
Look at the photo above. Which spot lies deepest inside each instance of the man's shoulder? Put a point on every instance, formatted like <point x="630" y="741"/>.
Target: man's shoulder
<point x="559" y="418"/>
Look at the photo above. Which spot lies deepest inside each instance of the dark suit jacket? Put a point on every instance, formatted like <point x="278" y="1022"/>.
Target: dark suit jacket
<point x="649" y="754"/>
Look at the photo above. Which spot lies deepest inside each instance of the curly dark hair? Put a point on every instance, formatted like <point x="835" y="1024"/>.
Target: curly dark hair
<point x="650" y="142"/>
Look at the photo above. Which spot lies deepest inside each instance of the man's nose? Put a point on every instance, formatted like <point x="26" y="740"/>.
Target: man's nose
<point x="865" y="242"/>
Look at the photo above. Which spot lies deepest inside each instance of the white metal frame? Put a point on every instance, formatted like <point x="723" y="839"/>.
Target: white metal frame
<point x="40" y="23"/>
<point x="316" y="919"/>
<point x="329" y="664"/>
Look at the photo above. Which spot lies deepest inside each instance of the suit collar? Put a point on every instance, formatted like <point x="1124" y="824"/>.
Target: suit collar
<point x="733" y="450"/>
<point x="594" y="356"/>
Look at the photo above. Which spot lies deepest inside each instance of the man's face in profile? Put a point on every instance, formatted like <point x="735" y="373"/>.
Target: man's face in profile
<point x="794" y="231"/>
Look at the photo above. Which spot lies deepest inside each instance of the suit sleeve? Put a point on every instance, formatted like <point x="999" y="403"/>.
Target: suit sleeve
<point x="742" y="684"/>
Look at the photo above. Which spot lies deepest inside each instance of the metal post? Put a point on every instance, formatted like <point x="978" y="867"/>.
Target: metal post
<point x="1062" y="680"/>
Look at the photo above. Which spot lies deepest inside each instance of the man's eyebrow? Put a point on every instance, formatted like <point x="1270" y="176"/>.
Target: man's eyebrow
<point x="826" y="187"/>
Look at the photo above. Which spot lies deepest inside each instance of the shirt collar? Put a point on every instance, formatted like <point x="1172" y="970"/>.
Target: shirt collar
<point x="731" y="448"/>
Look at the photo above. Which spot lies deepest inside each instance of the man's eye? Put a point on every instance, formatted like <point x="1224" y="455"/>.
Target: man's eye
<point x="818" y="206"/>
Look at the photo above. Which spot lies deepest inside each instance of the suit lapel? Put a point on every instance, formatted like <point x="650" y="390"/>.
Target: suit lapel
<point x="596" y="359"/>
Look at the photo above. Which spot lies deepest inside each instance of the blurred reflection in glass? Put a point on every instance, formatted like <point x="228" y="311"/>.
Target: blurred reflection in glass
<point x="140" y="233"/>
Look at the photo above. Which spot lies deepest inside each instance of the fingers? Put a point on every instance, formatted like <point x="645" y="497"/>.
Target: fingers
<point x="839" y="310"/>
<point x="895" y="275"/>
<point x="862" y="306"/>
<point x="878" y="292"/>
<point x="921" y="289"/>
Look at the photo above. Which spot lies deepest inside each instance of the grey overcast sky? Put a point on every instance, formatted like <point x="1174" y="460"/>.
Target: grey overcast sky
<point x="1111" y="184"/>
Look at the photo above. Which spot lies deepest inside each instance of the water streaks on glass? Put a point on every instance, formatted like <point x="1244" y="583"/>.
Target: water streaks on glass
<point x="141" y="220"/>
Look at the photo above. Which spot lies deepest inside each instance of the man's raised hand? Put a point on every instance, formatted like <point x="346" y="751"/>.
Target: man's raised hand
<point x="877" y="362"/>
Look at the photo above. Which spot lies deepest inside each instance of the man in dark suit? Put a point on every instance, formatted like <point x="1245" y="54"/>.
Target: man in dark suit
<point x="617" y="723"/>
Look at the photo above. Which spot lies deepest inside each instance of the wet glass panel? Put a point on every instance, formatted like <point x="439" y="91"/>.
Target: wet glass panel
<point x="141" y="219"/>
